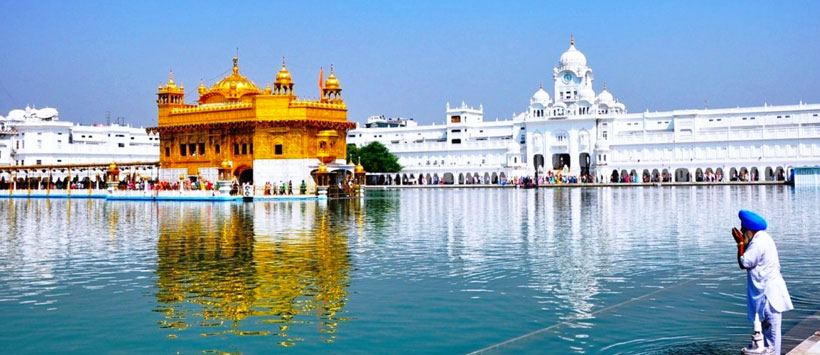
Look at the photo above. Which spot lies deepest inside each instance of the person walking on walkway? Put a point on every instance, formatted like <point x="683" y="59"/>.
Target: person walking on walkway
<point x="766" y="293"/>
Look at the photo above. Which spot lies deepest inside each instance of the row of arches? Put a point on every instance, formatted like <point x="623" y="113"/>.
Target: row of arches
<point x="770" y="173"/>
<point x="475" y="178"/>
<point x="562" y="160"/>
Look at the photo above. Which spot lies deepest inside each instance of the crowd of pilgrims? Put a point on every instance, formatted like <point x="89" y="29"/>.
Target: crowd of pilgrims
<point x="286" y="188"/>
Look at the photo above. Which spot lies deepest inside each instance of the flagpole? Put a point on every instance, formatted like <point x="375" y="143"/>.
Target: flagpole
<point x="321" y="84"/>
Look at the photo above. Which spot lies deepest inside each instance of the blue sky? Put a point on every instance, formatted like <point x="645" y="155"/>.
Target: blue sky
<point x="407" y="58"/>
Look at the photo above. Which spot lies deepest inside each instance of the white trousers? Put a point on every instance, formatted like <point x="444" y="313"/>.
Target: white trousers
<point x="771" y="328"/>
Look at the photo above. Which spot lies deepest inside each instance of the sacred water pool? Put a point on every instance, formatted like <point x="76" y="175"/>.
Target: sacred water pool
<point x="612" y="270"/>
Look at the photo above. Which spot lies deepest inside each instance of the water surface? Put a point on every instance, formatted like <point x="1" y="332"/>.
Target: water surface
<point x="584" y="270"/>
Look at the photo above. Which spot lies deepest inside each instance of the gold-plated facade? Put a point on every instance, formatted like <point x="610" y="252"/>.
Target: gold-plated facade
<point x="236" y="121"/>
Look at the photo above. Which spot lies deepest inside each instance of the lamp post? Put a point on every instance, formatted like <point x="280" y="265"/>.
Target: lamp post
<point x="68" y="182"/>
<point x="223" y="182"/>
<point x="326" y="155"/>
<point x="361" y="178"/>
<point x="113" y="177"/>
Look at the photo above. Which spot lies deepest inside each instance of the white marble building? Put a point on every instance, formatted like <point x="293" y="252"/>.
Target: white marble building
<point x="466" y="149"/>
<point x="38" y="137"/>
<point x="581" y="132"/>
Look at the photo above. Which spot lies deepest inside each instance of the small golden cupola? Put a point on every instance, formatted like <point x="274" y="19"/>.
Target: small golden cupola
<point x="170" y="94"/>
<point x="201" y="89"/>
<point x="284" y="83"/>
<point x="231" y="88"/>
<point x="359" y="169"/>
<point x="332" y="91"/>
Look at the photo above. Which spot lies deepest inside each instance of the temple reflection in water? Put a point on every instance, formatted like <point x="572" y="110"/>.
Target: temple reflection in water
<point x="219" y="268"/>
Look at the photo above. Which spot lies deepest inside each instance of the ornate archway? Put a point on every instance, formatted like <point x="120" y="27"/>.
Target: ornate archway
<point x="244" y="174"/>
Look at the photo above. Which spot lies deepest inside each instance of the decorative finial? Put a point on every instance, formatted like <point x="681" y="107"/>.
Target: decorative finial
<point x="171" y="77"/>
<point x="541" y="85"/>
<point x="604" y="85"/>
<point x="283" y="61"/>
<point x="236" y="63"/>
<point x="331" y="69"/>
<point x="571" y="39"/>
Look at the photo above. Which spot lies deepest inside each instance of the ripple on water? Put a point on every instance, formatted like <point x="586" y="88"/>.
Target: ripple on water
<point x="452" y="270"/>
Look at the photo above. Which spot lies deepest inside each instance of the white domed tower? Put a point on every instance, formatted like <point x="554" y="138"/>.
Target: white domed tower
<point x="539" y="103"/>
<point x="572" y="77"/>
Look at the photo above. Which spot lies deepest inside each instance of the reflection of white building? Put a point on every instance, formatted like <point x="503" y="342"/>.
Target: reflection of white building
<point x="583" y="132"/>
<point x="38" y="137"/>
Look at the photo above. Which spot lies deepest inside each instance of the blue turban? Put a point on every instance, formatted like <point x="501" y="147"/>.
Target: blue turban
<point x="751" y="221"/>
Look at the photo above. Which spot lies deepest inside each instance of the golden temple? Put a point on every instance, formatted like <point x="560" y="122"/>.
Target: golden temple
<point x="261" y="135"/>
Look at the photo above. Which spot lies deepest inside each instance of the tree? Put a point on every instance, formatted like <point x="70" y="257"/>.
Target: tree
<point x="352" y="154"/>
<point x="374" y="158"/>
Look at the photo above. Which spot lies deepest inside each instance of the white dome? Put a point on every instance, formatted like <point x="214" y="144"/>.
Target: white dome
<point x="513" y="148"/>
<point x="17" y="115"/>
<point x="47" y="112"/>
<point x="541" y="97"/>
<point x="605" y="97"/>
<point x="572" y="58"/>
<point x="587" y="94"/>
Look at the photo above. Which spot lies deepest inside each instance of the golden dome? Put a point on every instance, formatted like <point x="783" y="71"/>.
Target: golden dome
<point x="268" y="90"/>
<point x="332" y="82"/>
<point x="171" y="86"/>
<point x="359" y="168"/>
<point x="283" y="77"/>
<point x="233" y="86"/>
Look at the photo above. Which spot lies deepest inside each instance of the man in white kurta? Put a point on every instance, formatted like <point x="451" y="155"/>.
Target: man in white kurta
<point x="766" y="293"/>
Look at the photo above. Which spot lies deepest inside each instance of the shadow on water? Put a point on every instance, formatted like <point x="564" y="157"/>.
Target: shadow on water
<point x="221" y="274"/>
